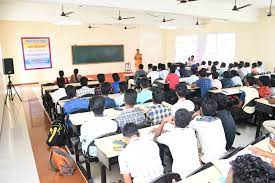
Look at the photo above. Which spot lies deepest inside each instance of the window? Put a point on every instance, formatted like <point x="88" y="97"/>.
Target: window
<point x="220" y="46"/>
<point x="185" y="47"/>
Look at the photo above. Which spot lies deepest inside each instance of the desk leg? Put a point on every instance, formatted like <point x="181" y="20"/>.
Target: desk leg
<point x="102" y="173"/>
<point x="259" y="125"/>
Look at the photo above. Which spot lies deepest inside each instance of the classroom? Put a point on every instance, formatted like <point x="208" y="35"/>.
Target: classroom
<point x="137" y="91"/>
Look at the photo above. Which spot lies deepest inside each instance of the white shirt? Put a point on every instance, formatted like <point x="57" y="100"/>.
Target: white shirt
<point x="221" y="71"/>
<point x="248" y="70"/>
<point x="182" y="103"/>
<point x="237" y="80"/>
<point x="153" y="75"/>
<point x="216" y="83"/>
<point x="163" y="74"/>
<point x="94" y="128"/>
<point x="58" y="94"/>
<point x="242" y="72"/>
<point x="119" y="100"/>
<point x="184" y="152"/>
<point x="141" y="159"/>
<point x="192" y="79"/>
<point x="211" y="136"/>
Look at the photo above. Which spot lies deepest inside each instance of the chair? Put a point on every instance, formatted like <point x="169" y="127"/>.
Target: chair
<point x="168" y="178"/>
<point x="86" y="158"/>
<point x="204" y="167"/>
<point x="56" y="114"/>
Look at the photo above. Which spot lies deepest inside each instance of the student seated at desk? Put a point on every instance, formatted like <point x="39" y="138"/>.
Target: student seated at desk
<point x="105" y="90"/>
<point x="247" y="68"/>
<point x="216" y="83"/>
<point x="227" y="81"/>
<point x="60" y="93"/>
<point x="264" y="90"/>
<point x="242" y="71"/>
<point x="204" y="83"/>
<point x="255" y="70"/>
<point x="130" y="114"/>
<point x="245" y="106"/>
<point x="203" y="65"/>
<point x="84" y="90"/>
<point x="145" y="94"/>
<point x="159" y="111"/>
<point x="154" y="74"/>
<point x="75" y="77"/>
<point x="236" y="79"/>
<point x="163" y="72"/>
<point x="138" y="74"/>
<point x="96" y="126"/>
<point x="209" y="65"/>
<point x="74" y="103"/>
<point x="225" y="115"/>
<point x="181" y="90"/>
<point x="119" y="100"/>
<point x="250" y="169"/>
<point x="222" y="68"/>
<point x="150" y="68"/>
<point x="61" y="75"/>
<point x="140" y="159"/>
<point x="100" y="79"/>
<point x="208" y="128"/>
<point x="193" y="78"/>
<point x="183" y="72"/>
<point x="115" y="84"/>
<point x="172" y="79"/>
<point x="185" y="151"/>
<point x="170" y="97"/>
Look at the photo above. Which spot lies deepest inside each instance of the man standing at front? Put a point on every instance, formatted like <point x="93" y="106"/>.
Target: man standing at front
<point x="138" y="59"/>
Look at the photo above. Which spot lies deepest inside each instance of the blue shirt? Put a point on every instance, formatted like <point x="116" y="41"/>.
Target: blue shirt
<point x="109" y="103"/>
<point x="204" y="84"/>
<point x="75" y="104"/>
<point x="115" y="86"/>
<point x="227" y="82"/>
<point x="144" y="96"/>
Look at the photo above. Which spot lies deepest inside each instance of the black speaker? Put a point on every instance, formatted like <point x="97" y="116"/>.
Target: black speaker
<point x="8" y="66"/>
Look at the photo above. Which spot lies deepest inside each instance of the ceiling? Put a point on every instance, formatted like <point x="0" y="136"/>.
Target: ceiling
<point x="102" y="11"/>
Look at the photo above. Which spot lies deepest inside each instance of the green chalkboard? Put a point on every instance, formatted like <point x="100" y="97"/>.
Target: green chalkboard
<point x="97" y="54"/>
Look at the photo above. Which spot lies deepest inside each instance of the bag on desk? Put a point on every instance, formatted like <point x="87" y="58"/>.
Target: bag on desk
<point x="61" y="161"/>
<point x="57" y="134"/>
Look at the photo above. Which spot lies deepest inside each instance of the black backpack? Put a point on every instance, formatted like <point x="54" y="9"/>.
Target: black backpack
<point x="57" y="134"/>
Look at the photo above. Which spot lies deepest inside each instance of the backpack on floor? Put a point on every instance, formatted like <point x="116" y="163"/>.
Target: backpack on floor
<point x="57" y="134"/>
<point x="61" y="161"/>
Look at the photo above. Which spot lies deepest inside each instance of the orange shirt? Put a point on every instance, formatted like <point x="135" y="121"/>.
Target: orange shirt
<point x="264" y="91"/>
<point x="138" y="59"/>
<point x="173" y="80"/>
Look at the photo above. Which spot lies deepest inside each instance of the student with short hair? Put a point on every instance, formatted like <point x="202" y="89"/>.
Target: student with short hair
<point x="264" y="90"/>
<point x="261" y="67"/>
<point x="203" y="65"/>
<point x="130" y="114"/>
<point x="216" y="83"/>
<point x="140" y="159"/>
<point x="210" y="131"/>
<point x="75" y="77"/>
<point x="225" y="115"/>
<point x="159" y="111"/>
<point x="193" y="78"/>
<point x="150" y="68"/>
<point x="163" y="72"/>
<point x="247" y="67"/>
<point x="236" y="79"/>
<point x="84" y="90"/>
<point x="106" y="89"/>
<point x="138" y="74"/>
<point x="60" y="93"/>
<point x="119" y="100"/>
<point x="116" y="82"/>
<point x="222" y="68"/>
<point x="74" y="103"/>
<point x="255" y="70"/>
<point x="230" y="67"/>
<point x="183" y="72"/>
<point x="181" y="91"/>
<point x="227" y="81"/>
<point x="96" y="126"/>
<point x="100" y="79"/>
<point x="209" y="65"/>
<point x="185" y="151"/>
<point x="61" y="75"/>
<point x="172" y="79"/>
<point x="145" y="94"/>
<point x="242" y="71"/>
<point x="154" y="74"/>
<point x="204" y="83"/>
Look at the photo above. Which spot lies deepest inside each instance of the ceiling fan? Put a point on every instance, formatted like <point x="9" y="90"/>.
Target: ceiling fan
<point x="164" y="20"/>
<point x="122" y="18"/>
<point x="126" y="28"/>
<point x="92" y="27"/>
<point x="63" y="14"/>
<point x="269" y="14"/>
<point x="235" y="8"/>
<point x="185" y="1"/>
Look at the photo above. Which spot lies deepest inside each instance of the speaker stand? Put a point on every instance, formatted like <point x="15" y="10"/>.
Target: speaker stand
<point x="9" y="93"/>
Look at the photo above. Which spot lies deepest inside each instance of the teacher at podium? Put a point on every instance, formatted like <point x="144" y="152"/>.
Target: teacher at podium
<point x="138" y="59"/>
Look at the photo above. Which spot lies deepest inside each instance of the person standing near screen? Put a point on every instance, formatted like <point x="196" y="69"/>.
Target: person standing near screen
<point x="138" y="59"/>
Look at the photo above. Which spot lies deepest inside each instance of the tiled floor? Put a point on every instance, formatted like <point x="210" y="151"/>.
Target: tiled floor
<point x="22" y="154"/>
